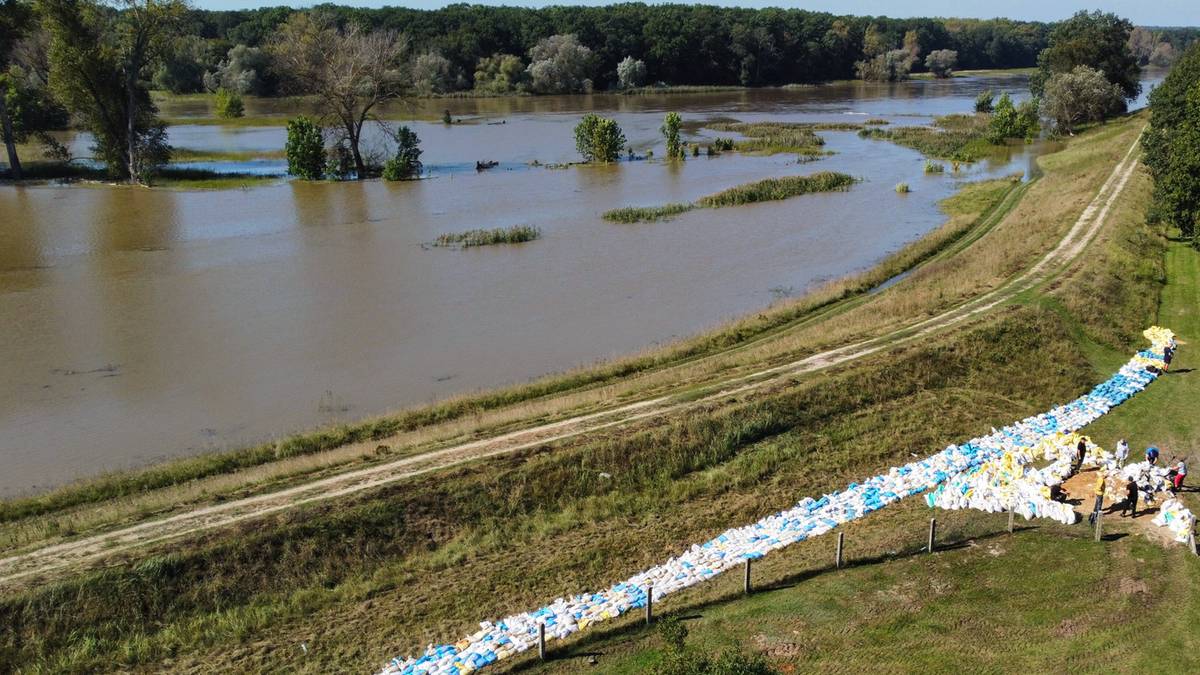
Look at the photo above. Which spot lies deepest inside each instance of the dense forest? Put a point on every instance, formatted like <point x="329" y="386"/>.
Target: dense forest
<point x="679" y="44"/>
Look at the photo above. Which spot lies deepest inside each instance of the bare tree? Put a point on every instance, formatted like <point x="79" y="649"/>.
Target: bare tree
<point x="348" y="70"/>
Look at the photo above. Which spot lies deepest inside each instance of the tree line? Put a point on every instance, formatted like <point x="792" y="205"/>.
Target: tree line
<point x="96" y="61"/>
<point x="1172" y="146"/>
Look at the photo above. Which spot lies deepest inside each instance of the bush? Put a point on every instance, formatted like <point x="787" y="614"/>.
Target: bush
<point x="902" y="188"/>
<point x="229" y="104"/>
<point x="984" y="101"/>
<point x="407" y="162"/>
<point x="599" y="139"/>
<point x="516" y="234"/>
<point x="500" y="74"/>
<point x="934" y="167"/>
<point x="305" y="149"/>
<point x="670" y="129"/>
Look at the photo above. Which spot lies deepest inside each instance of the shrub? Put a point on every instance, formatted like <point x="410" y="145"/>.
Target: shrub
<point x="407" y="162"/>
<point x="934" y="167"/>
<point x="229" y="104"/>
<point x="599" y="139"/>
<point x="984" y="101"/>
<point x="670" y="129"/>
<point x="305" y="149"/>
<point x="902" y="188"/>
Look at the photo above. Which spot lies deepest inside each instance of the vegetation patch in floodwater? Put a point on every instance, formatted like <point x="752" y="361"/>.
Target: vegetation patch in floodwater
<point x="637" y="214"/>
<point x="961" y="138"/>
<point x="769" y="189"/>
<point x="772" y="189"/>
<point x="771" y="138"/>
<point x="515" y="234"/>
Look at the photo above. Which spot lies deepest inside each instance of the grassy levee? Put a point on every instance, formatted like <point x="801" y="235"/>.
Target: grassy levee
<point x="974" y="209"/>
<point x="407" y="559"/>
<point x="1045" y="599"/>
<point x="362" y="578"/>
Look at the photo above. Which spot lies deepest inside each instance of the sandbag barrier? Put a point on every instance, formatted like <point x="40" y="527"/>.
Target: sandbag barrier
<point x="495" y="641"/>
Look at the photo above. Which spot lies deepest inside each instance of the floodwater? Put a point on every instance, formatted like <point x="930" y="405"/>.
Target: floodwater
<point x="145" y="324"/>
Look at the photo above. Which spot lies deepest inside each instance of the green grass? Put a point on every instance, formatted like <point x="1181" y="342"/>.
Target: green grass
<point x="771" y="189"/>
<point x="741" y="458"/>
<point x="637" y="214"/>
<point x="515" y="234"/>
<point x="960" y="138"/>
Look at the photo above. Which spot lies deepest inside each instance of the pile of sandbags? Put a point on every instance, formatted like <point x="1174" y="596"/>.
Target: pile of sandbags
<point x="1174" y="516"/>
<point x="810" y="517"/>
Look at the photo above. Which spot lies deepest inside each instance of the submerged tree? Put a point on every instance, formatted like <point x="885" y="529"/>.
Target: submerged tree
<point x="670" y="129"/>
<point x="599" y="139"/>
<point x="100" y="63"/>
<point x="406" y="164"/>
<point x="349" y="71"/>
<point x="305" y="149"/>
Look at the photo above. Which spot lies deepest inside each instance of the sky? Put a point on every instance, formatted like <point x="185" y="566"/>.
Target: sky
<point x="1140" y="12"/>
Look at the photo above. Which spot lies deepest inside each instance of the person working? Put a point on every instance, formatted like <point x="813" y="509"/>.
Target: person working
<point x="1168" y="354"/>
<point x="1101" y="479"/>
<point x="1152" y="455"/>
<point x="1180" y="473"/>
<point x="1131" y="497"/>
<point x="1122" y="451"/>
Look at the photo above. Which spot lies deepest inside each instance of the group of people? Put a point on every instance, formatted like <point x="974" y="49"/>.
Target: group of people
<point x="1176" y="473"/>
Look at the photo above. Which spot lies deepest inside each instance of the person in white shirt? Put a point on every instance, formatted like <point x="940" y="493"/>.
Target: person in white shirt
<point x="1122" y="451"/>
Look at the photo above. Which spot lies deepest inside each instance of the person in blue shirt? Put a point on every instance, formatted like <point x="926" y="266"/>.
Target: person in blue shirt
<point x="1152" y="455"/>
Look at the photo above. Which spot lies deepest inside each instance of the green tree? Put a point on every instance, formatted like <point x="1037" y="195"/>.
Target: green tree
<point x="1080" y="96"/>
<point x="599" y="139"/>
<point x="670" y="129"/>
<point x="1004" y="123"/>
<point x="406" y="164"/>
<point x="305" y="149"/>
<point x="560" y="64"/>
<point x="1094" y="39"/>
<point x="941" y="62"/>
<point x="631" y="73"/>
<point x="14" y="22"/>
<point x="100" y="61"/>
<point x="350" y="72"/>
<point x="228" y="104"/>
<point x="499" y="74"/>
<point x="985" y="102"/>
<point x="1172" y="144"/>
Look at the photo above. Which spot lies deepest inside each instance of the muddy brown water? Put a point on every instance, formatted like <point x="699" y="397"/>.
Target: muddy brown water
<point x="142" y="325"/>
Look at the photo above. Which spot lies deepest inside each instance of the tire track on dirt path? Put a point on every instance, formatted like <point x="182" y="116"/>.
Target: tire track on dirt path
<point x="91" y="548"/>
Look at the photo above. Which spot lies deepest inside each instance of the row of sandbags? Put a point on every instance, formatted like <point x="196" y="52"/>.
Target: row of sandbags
<point x="810" y="517"/>
<point x="1174" y="516"/>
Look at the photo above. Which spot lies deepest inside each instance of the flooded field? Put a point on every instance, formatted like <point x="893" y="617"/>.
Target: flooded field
<point x="147" y="324"/>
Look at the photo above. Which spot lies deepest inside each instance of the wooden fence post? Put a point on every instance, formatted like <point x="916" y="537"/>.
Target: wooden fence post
<point x="649" y="604"/>
<point x="1099" y="517"/>
<point x="542" y="641"/>
<point x="1011" y="518"/>
<point x="746" y="580"/>
<point x="837" y="563"/>
<point x="932" y="534"/>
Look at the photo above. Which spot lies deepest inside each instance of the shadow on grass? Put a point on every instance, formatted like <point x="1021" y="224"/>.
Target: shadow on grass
<point x="591" y="645"/>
